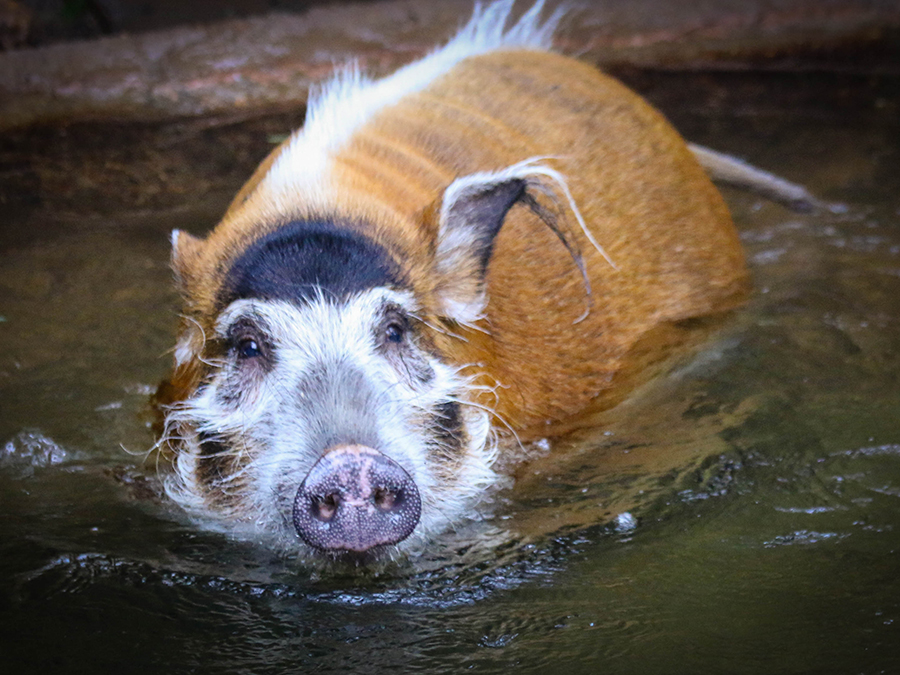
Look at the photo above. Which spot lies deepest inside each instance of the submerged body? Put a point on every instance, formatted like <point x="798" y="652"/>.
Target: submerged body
<point x="490" y="240"/>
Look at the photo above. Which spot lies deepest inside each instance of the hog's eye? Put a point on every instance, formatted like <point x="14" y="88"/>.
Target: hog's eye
<point x="248" y="348"/>
<point x="394" y="328"/>
<point x="394" y="332"/>
<point x="246" y="341"/>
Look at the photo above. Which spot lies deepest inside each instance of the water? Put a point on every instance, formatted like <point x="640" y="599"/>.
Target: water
<point x="738" y="515"/>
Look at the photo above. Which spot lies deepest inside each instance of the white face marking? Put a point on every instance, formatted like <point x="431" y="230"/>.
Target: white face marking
<point x="297" y="380"/>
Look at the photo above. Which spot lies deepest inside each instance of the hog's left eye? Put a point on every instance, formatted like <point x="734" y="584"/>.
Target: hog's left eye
<point x="249" y="348"/>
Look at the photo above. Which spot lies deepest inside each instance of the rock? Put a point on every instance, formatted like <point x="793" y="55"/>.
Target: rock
<point x="241" y="67"/>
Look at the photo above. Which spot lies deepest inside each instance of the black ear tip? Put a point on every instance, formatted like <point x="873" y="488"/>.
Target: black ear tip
<point x="510" y="189"/>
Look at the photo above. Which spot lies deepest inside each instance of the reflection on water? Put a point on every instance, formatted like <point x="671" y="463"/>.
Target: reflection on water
<point x="739" y="514"/>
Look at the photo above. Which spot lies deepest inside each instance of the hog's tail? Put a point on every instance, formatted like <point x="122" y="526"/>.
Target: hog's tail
<point x="729" y="170"/>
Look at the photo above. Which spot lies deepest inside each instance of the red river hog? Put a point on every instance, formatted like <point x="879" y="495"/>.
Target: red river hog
<point x="467" y="252"/>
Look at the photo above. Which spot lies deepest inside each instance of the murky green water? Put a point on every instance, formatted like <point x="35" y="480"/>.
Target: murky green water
<point x="762" y="477"/>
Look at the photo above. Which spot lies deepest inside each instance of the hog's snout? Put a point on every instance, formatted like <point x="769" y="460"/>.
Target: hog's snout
<point x="356" y="498"/>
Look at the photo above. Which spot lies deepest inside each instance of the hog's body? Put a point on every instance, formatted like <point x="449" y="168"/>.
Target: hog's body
<point x="386" y="211"/>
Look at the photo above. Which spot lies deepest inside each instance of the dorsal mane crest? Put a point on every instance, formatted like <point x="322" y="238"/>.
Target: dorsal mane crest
<point x="349" y="99"/>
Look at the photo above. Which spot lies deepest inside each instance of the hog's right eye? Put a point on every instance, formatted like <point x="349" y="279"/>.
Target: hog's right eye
<point x="394" y="332"/>
<point x="246" y="341"/>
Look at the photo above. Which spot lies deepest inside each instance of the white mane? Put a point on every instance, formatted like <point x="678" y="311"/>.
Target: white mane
<point x="350" y="98"/>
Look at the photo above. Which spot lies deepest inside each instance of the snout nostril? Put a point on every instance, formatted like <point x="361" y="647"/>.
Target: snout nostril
<point x="324" y="507"/>
<point x="387" y="499"/>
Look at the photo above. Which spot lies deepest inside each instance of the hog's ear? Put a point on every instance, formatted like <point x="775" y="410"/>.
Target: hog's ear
<point x="185" y="255"/>
<point x="472" y="211"/>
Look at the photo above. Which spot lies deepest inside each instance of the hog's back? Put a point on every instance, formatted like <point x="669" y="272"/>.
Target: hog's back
<point x="639" y="189"/>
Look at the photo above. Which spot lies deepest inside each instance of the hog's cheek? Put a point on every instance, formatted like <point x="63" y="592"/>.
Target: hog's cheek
<point x="457" y="481"/>
<point x="222" y="444"/>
